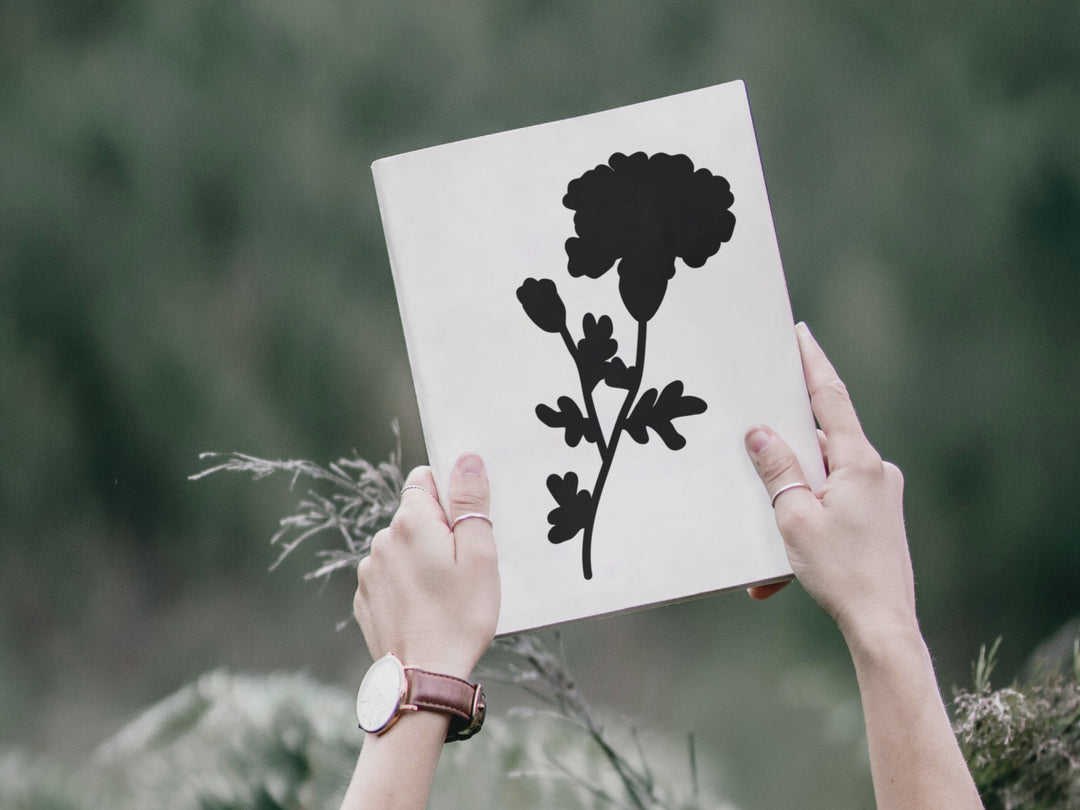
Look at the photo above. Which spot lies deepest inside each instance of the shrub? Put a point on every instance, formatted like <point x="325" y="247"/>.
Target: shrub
<point x="1022" y="743"/>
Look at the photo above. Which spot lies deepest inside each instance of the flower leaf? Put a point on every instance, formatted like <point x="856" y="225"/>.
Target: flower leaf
<point x="658" y="412"/>
<point x="594" y="349"/>
<point x="618" y="375"/>
<point x="571" y="419"/>
<point x="575" y="507"/>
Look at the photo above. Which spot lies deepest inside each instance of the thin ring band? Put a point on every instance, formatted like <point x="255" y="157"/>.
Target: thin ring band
<point x="468" y="515"/>
<point x="417" y="486"/>
<point x="785" y="488"/>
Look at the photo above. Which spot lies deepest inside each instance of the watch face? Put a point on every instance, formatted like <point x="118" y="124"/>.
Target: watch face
<point x="381" y="692"/>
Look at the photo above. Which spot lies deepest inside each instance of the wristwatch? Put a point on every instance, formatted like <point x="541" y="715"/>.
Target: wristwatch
<point x="390" y="688"/>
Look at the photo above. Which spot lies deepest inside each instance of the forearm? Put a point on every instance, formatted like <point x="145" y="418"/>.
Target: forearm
<point x="429" y="594"/>
<point x="914" y="757"/>
<point x="395" y="770"/>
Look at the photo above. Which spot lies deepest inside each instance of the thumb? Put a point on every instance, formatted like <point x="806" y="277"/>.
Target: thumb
<point x="782" y="475"/>
<point x="470" y="500"/>
<point x="777" y="467"/>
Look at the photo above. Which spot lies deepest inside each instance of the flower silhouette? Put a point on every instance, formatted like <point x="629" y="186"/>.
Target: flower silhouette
<point x="645" y="212"/>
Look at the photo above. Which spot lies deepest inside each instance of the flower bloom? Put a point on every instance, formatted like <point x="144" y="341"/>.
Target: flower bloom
<point x="542" y="304"/>
<point x="644" y="212"/>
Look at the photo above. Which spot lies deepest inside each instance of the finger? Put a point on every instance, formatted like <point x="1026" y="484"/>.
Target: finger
<point x="760" y="592"/>
<point x="777" y="467"/>
<point x="419" y="519"/>
<point x="823" y="444"/>
<point x="829" y="399"/>
<point x="420" y="496"/>
<point x="470" y="502"/>
<point x="420" y="483"/>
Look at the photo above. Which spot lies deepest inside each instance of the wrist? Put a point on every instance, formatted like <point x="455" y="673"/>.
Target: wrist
<point x="441" y="654"/>
<point x="418" y="724"/>
<point x="879" y="641"/>
<point x="439" y="664"/>
<point x="878" y="616"/>
<point x="392" y="691"/>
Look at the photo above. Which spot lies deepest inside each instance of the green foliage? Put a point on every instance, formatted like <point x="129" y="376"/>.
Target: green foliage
<point x="537" y="760"/>
<point x="224" y="742"/>
<point x="1022" y="743"/>
<point x="229" y="741"/>
<point x="28" y="783"/>
<point x="286" y="742"/>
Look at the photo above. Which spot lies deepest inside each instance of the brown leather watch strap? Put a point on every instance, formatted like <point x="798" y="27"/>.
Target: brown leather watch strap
<point x="463" y="701"/>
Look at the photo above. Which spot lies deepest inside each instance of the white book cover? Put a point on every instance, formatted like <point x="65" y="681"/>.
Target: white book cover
<point x="597" y="306"/>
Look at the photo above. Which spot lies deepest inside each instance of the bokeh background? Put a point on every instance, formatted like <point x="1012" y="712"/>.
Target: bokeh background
<point x="191" y="259"/>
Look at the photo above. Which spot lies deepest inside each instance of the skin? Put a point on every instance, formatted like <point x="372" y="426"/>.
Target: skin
<point x="848" y="548"/>
<point x="432" y="597"/>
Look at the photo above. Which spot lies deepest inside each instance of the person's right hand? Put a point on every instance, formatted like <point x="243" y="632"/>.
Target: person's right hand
<point x="846" y="542"/>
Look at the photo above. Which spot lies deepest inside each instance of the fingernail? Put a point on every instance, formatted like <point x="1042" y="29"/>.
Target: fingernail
<point x="803" y="328"/>
<point x="757" y="440"/>
<point x="471" y="464"/>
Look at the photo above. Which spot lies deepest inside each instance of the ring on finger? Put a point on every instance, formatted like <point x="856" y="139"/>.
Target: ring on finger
<point x="785" y="488"/>
<point x="420" y="488"/>
<point x="469" y="515"/>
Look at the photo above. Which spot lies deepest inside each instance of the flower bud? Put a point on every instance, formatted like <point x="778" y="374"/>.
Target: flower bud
<point x="542" y="304"/>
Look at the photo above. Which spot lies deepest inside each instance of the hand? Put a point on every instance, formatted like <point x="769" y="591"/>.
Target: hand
<point x="427" y="593"/>
<point x="846" y="542"/>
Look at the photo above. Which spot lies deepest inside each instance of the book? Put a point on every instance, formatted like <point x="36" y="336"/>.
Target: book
<point x="597" y="306"/>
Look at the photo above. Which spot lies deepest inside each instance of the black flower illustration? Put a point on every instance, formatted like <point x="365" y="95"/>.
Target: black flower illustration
<point x="575" y="507"/>
<point x="543" y="304"/>
<point x="643" y="212"/>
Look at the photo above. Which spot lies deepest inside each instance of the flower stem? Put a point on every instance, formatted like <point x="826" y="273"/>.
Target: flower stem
<point x="607" y="454"/>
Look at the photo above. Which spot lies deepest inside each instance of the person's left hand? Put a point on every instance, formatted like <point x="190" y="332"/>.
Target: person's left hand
<point x="428" y="594"/>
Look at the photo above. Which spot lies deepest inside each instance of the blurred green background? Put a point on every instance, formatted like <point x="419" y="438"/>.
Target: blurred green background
<point x="191" y="259"/>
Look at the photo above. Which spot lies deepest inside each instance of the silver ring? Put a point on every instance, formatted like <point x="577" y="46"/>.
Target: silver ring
<point x="468" y="515"/>
<point x="422" y="489"/>
<point x="785" y="488"/>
